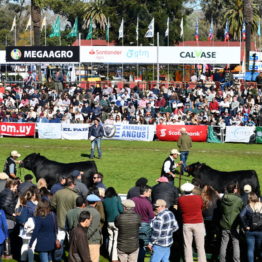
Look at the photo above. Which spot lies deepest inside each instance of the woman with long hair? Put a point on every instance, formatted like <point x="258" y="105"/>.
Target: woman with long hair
<point x="253" y="233"/>
<point x="44" y="231"/>
<point x="210" y="214"/>
<point x="113" y="207"/>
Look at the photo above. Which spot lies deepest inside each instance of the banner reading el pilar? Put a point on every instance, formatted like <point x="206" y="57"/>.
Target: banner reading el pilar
<point x="39" y="54"/>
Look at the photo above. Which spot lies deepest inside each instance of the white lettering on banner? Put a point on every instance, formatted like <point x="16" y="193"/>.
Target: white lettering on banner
<point x="177" y="133"/>
<point x="48" y="54"/>
<point x="162" y="132"/>
<point x="12" y="129"/>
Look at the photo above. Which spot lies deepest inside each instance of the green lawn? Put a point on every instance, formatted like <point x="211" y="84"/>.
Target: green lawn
<point x="123" y="162"/>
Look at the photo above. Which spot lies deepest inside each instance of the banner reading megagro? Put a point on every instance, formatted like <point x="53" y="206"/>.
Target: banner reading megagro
<point x="239" y="134"/>
<point x="38" y="54"/>
<point x="75" y="131"/>
<point x="172" y="132"/>
<point x="134" y="132"/>
<point x="17" y="129"/>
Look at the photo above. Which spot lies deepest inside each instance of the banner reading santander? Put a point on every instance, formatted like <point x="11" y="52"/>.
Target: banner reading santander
<point x="17" y="129"/>
<point x="172" y="132"/>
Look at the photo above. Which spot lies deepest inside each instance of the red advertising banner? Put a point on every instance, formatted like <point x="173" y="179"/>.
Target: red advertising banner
<point x="172" y="132"/>
<point x="17" y="129"/>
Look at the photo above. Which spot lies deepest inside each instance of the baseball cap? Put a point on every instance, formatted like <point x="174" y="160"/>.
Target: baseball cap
<point x="174" y="151"/>
<point x="93" y="198"/>
<point x="15" y="153"/>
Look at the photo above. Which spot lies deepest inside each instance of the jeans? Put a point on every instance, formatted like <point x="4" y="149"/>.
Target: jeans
<point x="160" y="254"/>
<point x="96" y="143"/>
<point x="45" y="256"/>
<point x="254" y="241"/>
<point x="226" y="235"/>
<point x="183" y="158"/>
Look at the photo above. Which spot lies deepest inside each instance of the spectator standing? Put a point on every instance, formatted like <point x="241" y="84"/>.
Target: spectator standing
<point x="58" y="186"/>
<point x="44" y="231"/>
<point x="231" y="205"/>
<point x="10" y="164"/>
<point x="80" y="187"/>
<point x="78" y="245"/>
<point x="144" y="209"/>
<point x="3" y="232"/>
<point x="253" y="233"/>
<point x="191" y="207"/>
<point x="23" y="187"/>
<point x="163" y="226"/>
<point x="95" y="134"/>
<point x="3" y="180"/>
<point x="128" y="233"/>
<point x="113" y="207"/>
<point x="169" y="165"/>
<point x="165" y="191"/>
<point x="135" y="191"/>
<point x="184" y="144"/>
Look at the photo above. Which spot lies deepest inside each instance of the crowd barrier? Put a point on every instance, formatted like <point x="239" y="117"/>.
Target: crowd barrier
<point x="200" y="133"/>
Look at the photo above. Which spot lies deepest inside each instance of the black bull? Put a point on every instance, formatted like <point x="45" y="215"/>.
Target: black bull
<point x="205" y="175"/>
<point x="50" y="170"/>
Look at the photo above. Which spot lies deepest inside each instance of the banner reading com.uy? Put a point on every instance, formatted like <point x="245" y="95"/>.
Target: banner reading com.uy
<point x="17" y="129"/>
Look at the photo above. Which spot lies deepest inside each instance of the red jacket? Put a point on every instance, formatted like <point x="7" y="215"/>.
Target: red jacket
<point x="191" y="209"/>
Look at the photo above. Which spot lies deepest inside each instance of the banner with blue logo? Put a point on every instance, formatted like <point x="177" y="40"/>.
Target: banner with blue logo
<point x="134" y="132"/>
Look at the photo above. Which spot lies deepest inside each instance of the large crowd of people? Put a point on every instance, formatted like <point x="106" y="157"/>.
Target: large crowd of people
<point x="203" y="101"/>
<point x="90" y="220"/>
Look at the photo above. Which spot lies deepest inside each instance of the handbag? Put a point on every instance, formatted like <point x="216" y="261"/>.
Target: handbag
<point x="92" y="138"/>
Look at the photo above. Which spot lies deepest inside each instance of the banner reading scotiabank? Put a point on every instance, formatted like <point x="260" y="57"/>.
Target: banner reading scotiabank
<point x="17" y="129"/>
<point x="172" y="132"/>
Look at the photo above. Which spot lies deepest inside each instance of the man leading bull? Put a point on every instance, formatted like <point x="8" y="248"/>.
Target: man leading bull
<point x="10" y="164"/>
<point x="169" y="166"/>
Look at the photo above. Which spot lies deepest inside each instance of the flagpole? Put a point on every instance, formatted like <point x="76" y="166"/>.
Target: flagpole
<point x="153" y="62"/>
<point x="45" y="35"/>
<point x="168" y="78"/>
<point x="137" y="47"/>
<point x="79" y="65"/>
<point x="157" y="57"/>
<point x="15" y="34"/>
<point x="122" y="60"/>
<point x="108" y="39"/>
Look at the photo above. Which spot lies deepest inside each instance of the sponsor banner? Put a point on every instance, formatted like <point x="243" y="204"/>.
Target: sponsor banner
<point x="2" y="57"/>
<point x="255" y="66"/>
<point x="75" y="131"/>
<point x="239" y="134"/>
<point x="17" y="129"/>
<point x="49" y="130"/>
<point x="167" y="55"/>
<point x="18" y="54"/>
<point x="259" y="134"/>
<point x="118" y="54"/>
<point x="257" y="56"/>
<point x="172" y="132"/>
<point x="134" y="132"/>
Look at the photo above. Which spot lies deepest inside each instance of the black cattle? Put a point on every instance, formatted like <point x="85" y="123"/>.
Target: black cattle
<point x="50" y="170"/>
<point x="205" y="175"/>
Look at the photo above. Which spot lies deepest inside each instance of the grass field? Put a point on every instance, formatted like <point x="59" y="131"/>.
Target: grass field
<point x="123" y="162"/>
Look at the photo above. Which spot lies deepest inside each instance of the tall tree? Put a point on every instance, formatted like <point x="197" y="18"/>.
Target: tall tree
<point x="36" y="20"/>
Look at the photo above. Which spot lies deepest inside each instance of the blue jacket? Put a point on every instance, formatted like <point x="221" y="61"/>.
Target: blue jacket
<point x="96" y="131"/>
<point x="3" y="227"/>
<point x="45" y="233"/>
<point x="25" y="212"/>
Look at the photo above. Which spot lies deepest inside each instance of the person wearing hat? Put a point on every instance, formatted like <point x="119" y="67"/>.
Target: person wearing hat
<point x="93" y="232"/>
<point x="184" y="144"/>
<point x="166" y="191"/>
<point x="128" y="224"/>
<point x="10" y="164"/>
<point x="191" y="206"/>
<point x="169" y="165"/>
<point x="163" y="226"/>
<point x="244" y="196"/>
<point x="95" y="134"/>
<point x="3" y="179"/>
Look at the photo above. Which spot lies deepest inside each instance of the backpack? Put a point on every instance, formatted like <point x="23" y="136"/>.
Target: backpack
<point x="256" y="220"/>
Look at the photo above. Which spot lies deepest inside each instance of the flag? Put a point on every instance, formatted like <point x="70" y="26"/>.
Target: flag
<point x="258" y="29"/>
<point x="74" y="31"/>
<point x="211" y="31"/>
<point x="196" y="31"/>
<point x="56" y="28"/>
<point x="13" y="25"/>
<point x="29" y="23"/>
<point x="90" y="30"/>
<point x="43" y="23"/>
<point x="121" y="30"/>
<point x="137" y="28"/>
<point x="107" y="30"/>
<point x="226" y="32"/>
<point x="151" y="29"/>
<point x="182" y="28"/>
<point x="244" y="30"/>
<point x="167" y="28"/>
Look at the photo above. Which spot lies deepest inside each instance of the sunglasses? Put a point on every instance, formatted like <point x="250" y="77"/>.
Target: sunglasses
<point x="96" y="177"/>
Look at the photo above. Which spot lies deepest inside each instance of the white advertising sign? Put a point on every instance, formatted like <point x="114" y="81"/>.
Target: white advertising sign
<point x="49" y="131"/>
<point x="167" y="55"/>
<point x="257" y="56"/>
<point x="239" y="134"/>
<point x="2" y="57"/>
<point x="75" y="131"/>
<point x="134" y="132"/>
